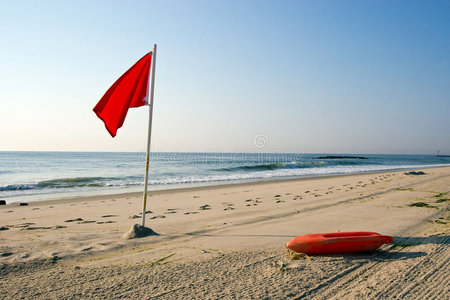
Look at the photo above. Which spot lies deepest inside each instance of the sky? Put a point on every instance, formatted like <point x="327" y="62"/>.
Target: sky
<point x="231" y="76"/>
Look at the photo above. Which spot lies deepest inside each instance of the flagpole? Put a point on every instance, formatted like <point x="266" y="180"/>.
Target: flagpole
<point x="149" y="137"/>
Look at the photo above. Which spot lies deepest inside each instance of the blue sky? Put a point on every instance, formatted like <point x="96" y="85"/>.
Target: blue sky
<point x="308" y="76"/>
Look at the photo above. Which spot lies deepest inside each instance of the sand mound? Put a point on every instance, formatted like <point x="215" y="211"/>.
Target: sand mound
<point x="138" y="231"/>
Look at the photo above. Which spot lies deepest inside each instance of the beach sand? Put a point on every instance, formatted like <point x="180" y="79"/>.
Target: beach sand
<point x="228" y="242"/>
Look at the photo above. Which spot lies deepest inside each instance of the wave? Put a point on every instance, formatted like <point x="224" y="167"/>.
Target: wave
<point x="286" y="173"/>
<point x="59" y="183"/>
<point x="254" y="167"/>
<point x="17" y="187"/>
<point x="293" y="165"/>
<point x="72" y="182"/>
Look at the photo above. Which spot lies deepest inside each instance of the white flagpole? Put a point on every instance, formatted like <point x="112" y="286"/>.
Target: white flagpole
<point x="149" y="137"/>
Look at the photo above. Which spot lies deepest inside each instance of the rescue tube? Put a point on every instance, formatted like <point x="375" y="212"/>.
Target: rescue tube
<point x="338" y="242"/>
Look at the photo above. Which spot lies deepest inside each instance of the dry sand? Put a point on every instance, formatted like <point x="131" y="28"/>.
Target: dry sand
<point x="228" y="242"/>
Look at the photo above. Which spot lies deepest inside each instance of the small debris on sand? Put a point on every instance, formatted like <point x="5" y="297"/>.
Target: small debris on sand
<point x="415" y="173"/>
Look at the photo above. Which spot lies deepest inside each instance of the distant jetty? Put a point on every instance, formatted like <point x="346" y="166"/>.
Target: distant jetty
<point x="340" y="157"/>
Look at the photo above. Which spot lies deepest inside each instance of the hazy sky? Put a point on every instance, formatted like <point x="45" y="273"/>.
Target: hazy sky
<point x="300" y="76"/>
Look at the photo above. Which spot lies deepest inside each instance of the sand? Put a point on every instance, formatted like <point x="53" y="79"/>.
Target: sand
<point x="228" y="242"/>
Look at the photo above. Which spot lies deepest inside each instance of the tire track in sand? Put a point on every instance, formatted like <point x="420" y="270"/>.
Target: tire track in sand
<point x="394" y="276"/>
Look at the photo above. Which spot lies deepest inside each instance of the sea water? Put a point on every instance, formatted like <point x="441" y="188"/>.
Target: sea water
<point x="35" y="176"/>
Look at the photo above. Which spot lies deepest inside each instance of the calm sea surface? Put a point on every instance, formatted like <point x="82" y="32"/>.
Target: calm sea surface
<point x="34" y="176"/>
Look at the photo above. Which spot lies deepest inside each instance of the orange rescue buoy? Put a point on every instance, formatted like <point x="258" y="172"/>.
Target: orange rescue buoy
<point x="338" y="242"/>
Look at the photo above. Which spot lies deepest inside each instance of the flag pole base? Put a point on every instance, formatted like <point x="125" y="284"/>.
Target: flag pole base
<point x="138" y="231"/>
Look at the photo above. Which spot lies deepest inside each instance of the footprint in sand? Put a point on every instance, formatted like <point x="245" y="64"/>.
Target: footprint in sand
<point x="109" y="216"/>
<point x="134" y="217"/>
<point x="279" y="201"/>
<point x="252" y="202"/>
<point x="109" y="222"/>
<point x="158" y="217"/>
<point x="23" y="225"/>
<point x="4" y="228"/>
<point x="87" y="222"/>
<point x="73" y="220"/>
<point x="205" y="207"/>
<point x="229" y="206"/>
<point x="44" y="227"/>
<point x="191" y="212"/>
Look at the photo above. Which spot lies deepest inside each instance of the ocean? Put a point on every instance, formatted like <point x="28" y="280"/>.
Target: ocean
<point x="37" y="176"/>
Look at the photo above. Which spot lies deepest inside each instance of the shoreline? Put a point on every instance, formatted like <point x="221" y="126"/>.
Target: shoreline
<point x="58" y="197"/>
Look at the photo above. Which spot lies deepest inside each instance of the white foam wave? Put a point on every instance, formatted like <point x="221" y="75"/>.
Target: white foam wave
<point x="280" y="173"/>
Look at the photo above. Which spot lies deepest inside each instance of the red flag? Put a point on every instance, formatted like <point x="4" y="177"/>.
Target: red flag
<point x="130" y="90"/>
